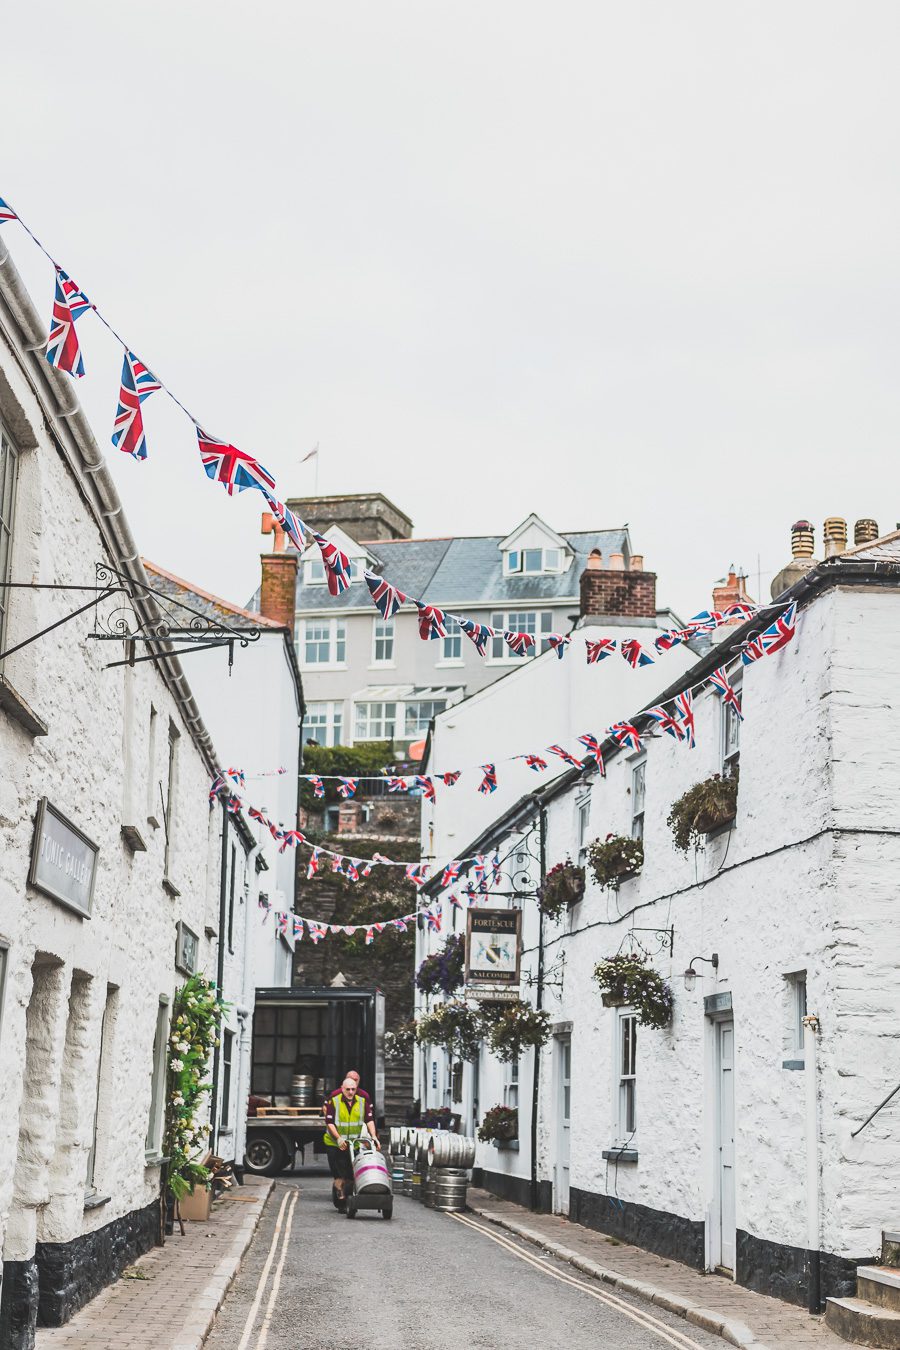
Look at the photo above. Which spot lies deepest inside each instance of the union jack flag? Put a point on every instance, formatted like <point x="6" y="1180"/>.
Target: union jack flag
<point x="667" y="721"/>
<point x="399" y="924"/>
<point x="298" y="928"/>
<point x="351" y="870"/>
<point x="137" y="384"/>
<point x="318" y="785"/>
<point x="370" y="936"/>
<point x="519" y="643"/>
<point x="386" y="598"/>
<point x="347" y="787"/>
<point x="291" y="839"/>
<point x="397" y="785"/>
<point x="233" y="804"/>
<point x="255" y="813"/>
<point x="634" y="654"/>
<point x="666" y="641"/>
<point x="455" y="901"/>
<point x="422" y="781"/>
<point x="780" y="633"/>
<point x="449" y="779"/>
<point x="752" y="650"/>
<point x="69" y="303"/>
<point x="6" y="212"/>
<point x="722" y="685"/>
<point x="599" y="649"/>
<point x="238" y="776"/>
<point x="313" y="864"/>
<point x="217" y="782"/>
<point x="432" y="621"/>
<point x="488" y="783"/>
<point x="275" y="831"/>
<point x="291" y="524"/>
<point x="592" y="746"/>
<point x="336" y="563"/>
<point x="316" y="930"/>
<point x="564" y="755"/>
<point x="623" y="733"/>
<point x="559" y="642"/>
<point x="281" y="923"/>
<point x="471" y="894"/>
<point x="534" y="762"/>
<point x="433" y="919"/>
<point x="451" y="873"/>
<point x="740" y="610"/>
<point x="337" y="864"/>
<point x="233" y="468"/>
<point x="479" y="871"/>
<point x="684" y="704"/>
<point x="707" y="621"/>
<point x="478" y="632"/>
<point x="417" y="873"/>
<point x="496" y="869"/>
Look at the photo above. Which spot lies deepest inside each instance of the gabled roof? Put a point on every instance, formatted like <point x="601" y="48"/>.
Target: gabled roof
<point x="213" y="607"/>
<point x="533" y="519"/>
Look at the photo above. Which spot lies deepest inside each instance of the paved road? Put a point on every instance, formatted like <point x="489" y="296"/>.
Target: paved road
<point x="314" y="1280"/>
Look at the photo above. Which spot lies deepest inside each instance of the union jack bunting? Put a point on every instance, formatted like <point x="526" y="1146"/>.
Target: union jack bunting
<point x="455" y="901"/>
<point x="417" y="873"/>
<point x="290" y="522"/>
<point x="351" y="870"/>
<point x="478" y="632"/>
<point x="559" y="642"/>
<point x="592" y="746"/>
<point x="496" y="869"/>
<point x="739" y="610"/>
<point x="634" y="654"/>
<point x="233" y="468"/>
<point x="519" y="643"/>
<point x="562" y="753"/>
<point x="255" y="813"/>
<point x="684" y="703"/>
<point x="316" y="930"/>
<point x="534" y="762"/>
<point x="337" y="864"/>
<point x="471" y="894"/>
<point x="386" y="598"/>
<point x="488" y="783"/>
<point x="722" y="685"/>
<point x="312" y="866"/>
<point x="397" y="785"/>
<point x="217" y="782"/>
<point x="451" y="873"/>
<point x="623" y="733"/>
<point x="666" y="641"/>
<point x="448" y="779"/>
<point x="432" y="621"/>
<point x="238" y="776"/>
<point x="479" y="871"/>
<point x="779" y="634"/>
<point x="667" y="721"/>
<point x="599" y="649"/>
<point x="233" y="804"/>
<point x="137" y="384"/>
<point x="6" y="212"/>
<point x="399" y="924"/>
<point x="370" y="936"/>
<point x="752" y="650"/>
<point x="336" y="564"/>
<point x="291" y="839"/>
<point x="69" y="303"/>
<point x="317" y="784"/>
<point x="347" y="787"/>
<point x="276" y="833"/>
<point x="298" y="928"/>
<point x="433" y="919"/>
<point x="707" y="621"/>
<point x="281" y="923"/>
<point x="422" y="781"/>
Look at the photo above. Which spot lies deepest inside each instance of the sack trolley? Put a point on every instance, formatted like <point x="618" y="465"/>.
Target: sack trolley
<point x="371" y="1180"/>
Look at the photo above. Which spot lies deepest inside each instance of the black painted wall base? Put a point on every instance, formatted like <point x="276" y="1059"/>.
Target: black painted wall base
<point x="653" y="1229"/>
<point x="70" y="1274"/>
<point x="18" y="1304"/>
<point x="517" y="1189"/>
<point x="776" y="1269"/>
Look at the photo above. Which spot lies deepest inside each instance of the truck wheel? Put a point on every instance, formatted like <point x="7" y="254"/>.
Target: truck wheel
<point x="266" y="1154"/>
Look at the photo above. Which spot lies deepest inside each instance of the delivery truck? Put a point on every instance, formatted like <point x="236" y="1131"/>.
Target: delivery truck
<point x="304" y="1041"/>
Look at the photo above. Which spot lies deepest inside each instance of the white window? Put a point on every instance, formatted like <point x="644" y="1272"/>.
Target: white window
<point x="796" y="1011"/>
<point x="8" y="466"/>
<point x="533" y="560"/>
<point x="227" y="1060"/>
<point x="511" y="1086"/>
<point x="152" y="799"/>
<point x="731" y="733"/>
<point x="383" y="642"/>
<point x="451" y="646"/>
<point x="583" y="828"/>
<point x="552" y="559"/>
<point x="169" y="817"/>
<point x="638" y="796"/>
<point x="626" y="1075"/>
<point x="323" y="723"/>
<point x="187" y="949"/>
<point x="106" y="1029"/>
<point x="375" y="721"/>
<point x="419" y="713"/>
<point x="323" y="642"/>
<point x="315" y="572"/>
<point x="513" y="560"/>
<point x="158" y="1066"/>
<point x="538" y="622"/>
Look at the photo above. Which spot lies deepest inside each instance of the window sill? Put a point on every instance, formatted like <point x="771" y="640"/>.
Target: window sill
<point x="450" y="665"/>
<point x="793" y="1063"/>
<point x="382" y="665"/>
<point x="324" y="666"/>
<point x="95" y="1201"/>
<point x="154" y="1159"/>
<point x="170" y="888"/>
<point x="152" y="821"/>
<point x="133" y="839"/>
<point x="15" y="706"/>
<point x="226" y="1129"/>
<point x="621" y="1155"/>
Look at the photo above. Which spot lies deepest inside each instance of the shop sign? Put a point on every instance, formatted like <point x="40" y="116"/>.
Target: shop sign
<point x="493" y="952"/>
<point x="63" y="860"/>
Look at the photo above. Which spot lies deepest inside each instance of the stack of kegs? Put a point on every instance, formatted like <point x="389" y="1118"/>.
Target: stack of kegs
<point x="432" y="1166"/>
<point x="303" y="1090"/>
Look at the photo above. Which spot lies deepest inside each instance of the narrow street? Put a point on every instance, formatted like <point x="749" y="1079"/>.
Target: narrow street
<point x="425" y="1281"/>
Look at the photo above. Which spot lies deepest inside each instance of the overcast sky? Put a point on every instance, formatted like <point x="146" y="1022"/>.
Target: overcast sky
<point x="631" y="262"/>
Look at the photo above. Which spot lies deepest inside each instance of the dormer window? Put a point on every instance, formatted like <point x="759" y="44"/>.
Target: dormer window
<point x="315" y="571"/>
<point x="533" y="562"/>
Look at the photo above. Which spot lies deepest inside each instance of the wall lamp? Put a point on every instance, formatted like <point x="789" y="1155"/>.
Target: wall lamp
<point x="690" y="975"/>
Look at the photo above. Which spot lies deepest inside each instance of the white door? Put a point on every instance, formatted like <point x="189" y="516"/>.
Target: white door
<point x="725" y="1131"/>
<point x="563" y="1122"/>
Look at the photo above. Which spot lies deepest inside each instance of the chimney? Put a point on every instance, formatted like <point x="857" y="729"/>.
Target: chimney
<point x="865" y="532"/>
<point x="834" y="534"/>
<point x="615" y="591"/>
<point x="365" y="516"/>
<point x="730" y="591"/>
<point x="278" y="584"/>
<point x="802" y="560"/>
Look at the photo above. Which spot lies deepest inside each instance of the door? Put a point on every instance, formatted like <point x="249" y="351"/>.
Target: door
<point x="725" y="1142"/>
<point x="563" y="1057"/>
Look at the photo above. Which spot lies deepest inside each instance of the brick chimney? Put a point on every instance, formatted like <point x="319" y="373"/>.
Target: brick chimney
<point x="278" y="584"/>
<point x="617" y="591"/>
<point x="730" y="591"/>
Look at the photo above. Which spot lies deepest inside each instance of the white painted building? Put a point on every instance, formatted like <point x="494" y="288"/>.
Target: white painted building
<point x="727" y="1140"/>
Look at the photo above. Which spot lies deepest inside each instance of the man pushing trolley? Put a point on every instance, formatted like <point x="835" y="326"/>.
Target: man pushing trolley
<point x="349" y="1118"/>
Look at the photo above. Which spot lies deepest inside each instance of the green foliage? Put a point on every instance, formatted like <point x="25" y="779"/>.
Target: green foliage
<point x="627" y="979"/>
<point x="365" y="760"/>
<point x="398" y="1044"/>
<point x="701" y="809"/>
<point x="562" y="886"/>
<point x="455" y="1026"/>
<point x="196" y="1013"/>
<point x="514" y="1027"/>
<point x="617" y="856"/>
<point x="501" y="1122"/>
<point x="442" y="972"/>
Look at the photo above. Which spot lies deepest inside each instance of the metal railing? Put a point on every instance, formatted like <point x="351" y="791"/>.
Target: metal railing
<point x="881" y="1105"/>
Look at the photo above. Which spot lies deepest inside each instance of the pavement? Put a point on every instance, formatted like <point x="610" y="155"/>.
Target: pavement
<point x="168" y="1299"/>
<point x="741" y="1317"/>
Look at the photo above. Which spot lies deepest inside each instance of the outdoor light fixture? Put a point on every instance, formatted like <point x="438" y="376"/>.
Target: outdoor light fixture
<point x="690" y="975"/>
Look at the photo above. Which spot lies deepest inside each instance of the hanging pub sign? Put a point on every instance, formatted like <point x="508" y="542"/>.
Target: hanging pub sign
<point x="493" y="953"/>
<point x="63" y="860"/>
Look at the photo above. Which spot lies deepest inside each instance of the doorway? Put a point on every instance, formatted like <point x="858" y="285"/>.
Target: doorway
<point x="562" y="1057"/>
<point x="724" y="1239"/>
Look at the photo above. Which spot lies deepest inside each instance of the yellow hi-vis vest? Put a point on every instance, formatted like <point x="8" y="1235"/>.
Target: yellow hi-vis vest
<point x="348" y="1121"/>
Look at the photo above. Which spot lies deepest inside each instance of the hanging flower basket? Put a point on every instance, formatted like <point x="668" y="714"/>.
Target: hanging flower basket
<point x="703" y="808"/>
<point x="626" y="980"/>
<point x="398" y="1044"/>
<point x="455" y="1026"/>
<point x="515" y="1027"/>
<point x="617" y="857"/>
<point x="196" y="1015"/>
<point x="499" y="1125"/>
<point x="442" y="973"/>
<point x="563" y="886"/>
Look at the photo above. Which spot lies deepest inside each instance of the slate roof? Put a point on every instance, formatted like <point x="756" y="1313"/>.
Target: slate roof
<point x="451" y="572"/>
<point x="210" y="606"/>
<point x="885" y="549"/>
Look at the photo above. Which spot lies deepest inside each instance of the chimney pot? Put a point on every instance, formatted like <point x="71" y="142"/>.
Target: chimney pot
<point x="637" y="562"/>
<point x="865" y="531"/>
<point x="595" y="560"/>
<point x="834" y="533"/>
<point x="802" y="539"/>
<point x="617" y="562"/>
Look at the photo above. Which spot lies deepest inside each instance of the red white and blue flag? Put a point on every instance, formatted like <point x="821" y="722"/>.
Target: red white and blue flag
<point x="479" y="871"/>
<point x="69" y="303"/>
<point x="592" y="746"/>
<point x="451" y="873"/>
<point x="722" y="685"/>
<point x="496" y="869"/>
<point x="217" y="782"/>
<point x="559" y="642"/>
<point x="432" y="621"/>
<point x="282" y="918"/>
<point x="449" y="779"/>
<point x="739" y="610"/>
<point x="534" y="762"/>
<point x="599" y="649"/>
<point x="780" y="633"/>
<point x="684" y="705"/>
<point x="667" y="721"/>
<point x="255" y="813"/>
<point x="397" y="785"/>
<point x="137" y="384"/>
<point x="455" y="901"/>
<point x="752" y="650"/>
<point x="312" y="866"/>
<point x="298" y="928"/>
<point x="347" y="787"/>
<point x="433" y="919"/>
<point x="562" y="753"/>
<point x="707" y="621"/>
<point x="417" y="873"/>
<point x="6" y="212"/>
<point x="233" y="468"/>
<point x="422" y="781"/>
<point x="386" y="598"/>
<point x="666" y="641"/>
<point x="488" y="783"/>
<point x="336" y="564"/>
<point x="291" y="524"/>
<point x="478" y="632"/>
<point x="634" y="654"/>
<point x="623" y="733"/>
<point x="519" y="643"/>
<point x="317" y="784"/>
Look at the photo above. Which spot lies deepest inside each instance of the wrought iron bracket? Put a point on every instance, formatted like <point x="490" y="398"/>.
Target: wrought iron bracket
<point x="665" y="940"/>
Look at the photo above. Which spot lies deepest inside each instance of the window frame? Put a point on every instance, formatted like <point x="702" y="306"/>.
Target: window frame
<point x="182" y="931"/>
<point x="384" y="720"/>
<point x="335" y="642"/>
<point x="583" y="826"/>
<point x="106" y="1024"/>
<point x="499" y="654"/>
<point x="512" y="562"/>
<point x="730" y="734"/>
<point x="511" y="1084"/>
<point x="387" y="637"/>
<point x="419" y="730"/>
<point x="169" y="818"/>
<point x="332" y="727"/>
<point x="797" y="1008"/>
<point x="153" y="1139"/>
<point x="228" y="1036"/>
<point x="8" y="488"/>
<point x="453" y="640"/>
<point x="638" y="766"/>
<point x="625" y="1064"/>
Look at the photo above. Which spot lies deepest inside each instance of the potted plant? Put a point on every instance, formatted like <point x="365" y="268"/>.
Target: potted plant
<point x="516" y="1026"/>
<point x="454" y="1026"/>
<point x="702" y="809"/>
<point x="627" y="980"/>
<point x="562" y="887"/>
<point x="499" y="1125"/>
<point x="196" y="1013"/>
<point x="616" y="857"/>
<point x="442" y="972"/>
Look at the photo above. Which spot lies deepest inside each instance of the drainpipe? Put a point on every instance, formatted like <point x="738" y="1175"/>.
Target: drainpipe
<point x="220" y="977"/>
<point x="814" y="1281"/>
<point x="539" y="1003"/>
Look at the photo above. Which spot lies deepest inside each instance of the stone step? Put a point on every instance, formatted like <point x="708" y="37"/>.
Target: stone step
<point x="890" y="1248"/>
<point x="879" y="1285"/>
<point x="863" y="1323"/>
